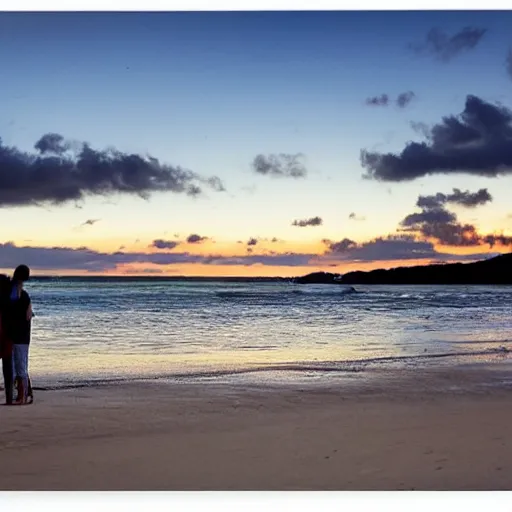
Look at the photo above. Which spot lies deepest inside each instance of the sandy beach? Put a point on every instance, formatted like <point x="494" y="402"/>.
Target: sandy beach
<point x="437" y="430"/>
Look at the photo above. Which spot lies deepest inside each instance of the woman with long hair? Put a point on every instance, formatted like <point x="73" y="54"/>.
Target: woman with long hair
<point x="18" y="317"/>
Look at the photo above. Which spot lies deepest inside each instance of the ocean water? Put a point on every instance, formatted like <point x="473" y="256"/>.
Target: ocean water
<point x="89" y="331"/>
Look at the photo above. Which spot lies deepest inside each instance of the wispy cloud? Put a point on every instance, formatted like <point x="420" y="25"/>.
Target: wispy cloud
<point x="145" y="271"/>
<point x="90" y="222"/>
<point x="164" y="244"/>
<point x="421" y="128"/>
<point x="196" y="239"/>
<point x="444" y="47"/>
<point x="313" y="221"/>
<point x="508" y="63"/>
<point x="354" y="216"/>
<point x="280" y="165"/>
<point x="378" y="101"/>
<point x="384" y="100"/>
<point x="404" y="99"/>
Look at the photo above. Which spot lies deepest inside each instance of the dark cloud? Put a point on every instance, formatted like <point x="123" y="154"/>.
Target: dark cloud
<point x="60" y="172"/>
<point x="196" y="239"/>
<point x="445" y="47"/>
<point x="430" y="216"/>
<point x="393" y="247"/>
<point x="354" y="216"/>
<point x="468" y="199"/>
<point x="164" y="244"/>
<point x="313" y="221"/>
<point x="280" y="165"/>
<point x="451" y="233"/>
<point x="432" y="201"/>
<point x="436" y="222"/>
<point x="90" y="222"/>
<point x="478" y="142"/>
<point x="252" y="241"/>
<point x="274" y="240"/>
<point x="462" y="198"/>
<point x="405" y="98"/>
<point x="342" y="246"/>
<point x="81" y="258"/>
<point x="378" y="101"/>
<point x="494" y="239"/>
<point x="463" y="235"/>
<point x="52" y="143"/>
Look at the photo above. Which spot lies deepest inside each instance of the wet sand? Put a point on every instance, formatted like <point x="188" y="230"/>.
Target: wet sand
<point x="430" y="430"/>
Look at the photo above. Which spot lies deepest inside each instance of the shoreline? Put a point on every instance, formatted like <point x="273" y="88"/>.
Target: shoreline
<point x="444" y="429"/>
<point x="470" y="379"/>
<point x="293" y="373"/>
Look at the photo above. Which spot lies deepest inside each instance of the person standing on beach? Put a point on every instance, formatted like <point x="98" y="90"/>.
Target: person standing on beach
<point x="19" y="319"/>
<point x="5" y="342"/>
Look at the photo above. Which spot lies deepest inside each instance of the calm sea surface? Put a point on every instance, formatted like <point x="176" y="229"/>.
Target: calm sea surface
<point x="94" y="331"/>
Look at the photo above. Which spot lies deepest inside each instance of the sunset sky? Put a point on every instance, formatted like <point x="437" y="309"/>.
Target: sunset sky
<point x="269" y="144"/>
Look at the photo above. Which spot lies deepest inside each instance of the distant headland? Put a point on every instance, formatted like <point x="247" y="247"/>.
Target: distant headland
<point x="497" y="270"/>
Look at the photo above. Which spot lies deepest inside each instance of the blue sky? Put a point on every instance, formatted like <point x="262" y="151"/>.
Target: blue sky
<point x="208" y="91"/>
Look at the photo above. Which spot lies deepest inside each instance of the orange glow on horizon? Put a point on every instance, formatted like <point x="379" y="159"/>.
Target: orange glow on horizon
<point x="265" y="246"/>
<point x="257" y="270"/>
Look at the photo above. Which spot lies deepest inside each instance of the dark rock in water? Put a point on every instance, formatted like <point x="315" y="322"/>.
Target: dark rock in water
<point x="319" y="278"/>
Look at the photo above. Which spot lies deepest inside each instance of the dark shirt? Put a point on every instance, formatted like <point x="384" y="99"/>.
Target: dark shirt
<point x="17" y="327"/>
